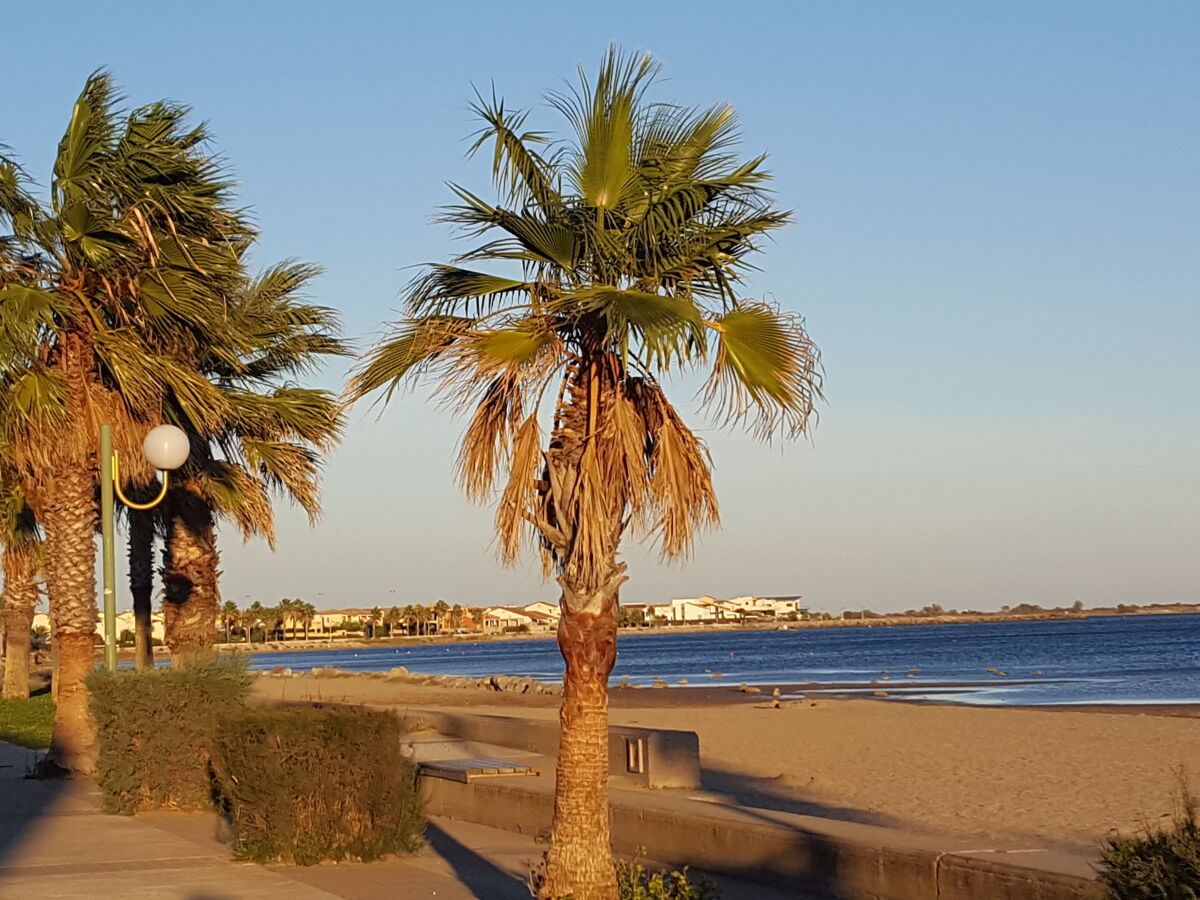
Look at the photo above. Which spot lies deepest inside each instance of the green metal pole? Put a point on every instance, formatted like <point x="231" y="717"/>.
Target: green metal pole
<point x="108" y="554"/>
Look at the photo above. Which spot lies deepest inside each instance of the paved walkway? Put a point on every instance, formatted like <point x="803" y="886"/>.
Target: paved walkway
<point x="55" y="844"/>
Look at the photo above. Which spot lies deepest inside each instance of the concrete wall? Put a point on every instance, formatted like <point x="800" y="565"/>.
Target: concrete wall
<point x="671" y="758"/>
<point x="814" y="857"/>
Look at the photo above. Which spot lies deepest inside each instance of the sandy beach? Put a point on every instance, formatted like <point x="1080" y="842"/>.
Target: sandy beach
<point x="1042" y="777"/>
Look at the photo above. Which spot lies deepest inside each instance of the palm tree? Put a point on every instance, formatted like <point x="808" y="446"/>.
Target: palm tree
<point x="631" y="240"/>
<point x="22" y="561"/>
<point x="440" y="610"/>
<point x="117" y="276"/>
<point x="391" y="619"/>
<point x="307" y="613"/>
<point x="456" y="617"/>
<point x="268" y="442"/>
<point x="374" y="617"/>
<point x="230" y="615"/>
<point x="141" y="580"/>
<point x="256" y="615"/>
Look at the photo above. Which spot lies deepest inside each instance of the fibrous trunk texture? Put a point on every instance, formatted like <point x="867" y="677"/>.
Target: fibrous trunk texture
<point x="19" y="602"/>
<point x="141" y="584"/>
<point x="579" y="862"/>
<point x="190" y="594"/>
<point x="70" y="521"/>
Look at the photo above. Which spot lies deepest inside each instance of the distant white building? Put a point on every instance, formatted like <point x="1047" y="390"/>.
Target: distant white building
<point x="546" y="609"/>
<point x="498" y="618"/>
<point x="767" y="606"/>
<point x="695" y="609"/>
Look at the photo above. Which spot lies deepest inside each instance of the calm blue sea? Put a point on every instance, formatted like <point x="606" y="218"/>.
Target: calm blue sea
<point x="1117" y="659"/>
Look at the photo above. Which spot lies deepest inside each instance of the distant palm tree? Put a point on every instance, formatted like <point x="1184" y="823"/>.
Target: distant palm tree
<point x="257" y="614"/>
<point x="307" y="613"/>
<point x="391" y="619"/>
<point x="456" y="616"/>
<point x="23" y="559"/>
<point x="230" y="614"/>
<point x="631" y="240"/>
<point x="373" y="619"/>
<point x="441" y="610"/>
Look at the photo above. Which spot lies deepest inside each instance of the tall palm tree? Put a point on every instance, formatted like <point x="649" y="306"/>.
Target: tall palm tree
<point x="374" y="617"/>
<point x="22" y="560"/>
<point x="117" y="276"/>
<point x="630" y="238"/>
<point x="269" y="442"/>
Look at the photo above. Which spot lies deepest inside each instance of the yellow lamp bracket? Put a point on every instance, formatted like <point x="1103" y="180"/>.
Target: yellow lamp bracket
<point x="116" y="473"/>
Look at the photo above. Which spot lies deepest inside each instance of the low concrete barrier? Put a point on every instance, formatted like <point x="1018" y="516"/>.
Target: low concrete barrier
<point x="814" y="857"/>
<point x="653" y="757"/>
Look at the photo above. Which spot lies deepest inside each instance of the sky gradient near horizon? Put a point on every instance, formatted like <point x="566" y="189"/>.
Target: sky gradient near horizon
<point x="996" y="246"/>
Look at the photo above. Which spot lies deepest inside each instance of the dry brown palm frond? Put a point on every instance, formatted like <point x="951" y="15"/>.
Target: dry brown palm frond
<point x="625" y="445"/>
<point x="518" y="502"/>
<point x="241" y="497"/>
<point x="486" y="444"/>
<point x="680" y="487"/>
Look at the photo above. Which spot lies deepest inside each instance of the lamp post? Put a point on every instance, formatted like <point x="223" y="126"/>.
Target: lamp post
<point x="165" y="447"/>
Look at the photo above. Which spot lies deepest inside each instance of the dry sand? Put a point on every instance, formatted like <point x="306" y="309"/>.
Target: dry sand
<point x="1014" y="775"/>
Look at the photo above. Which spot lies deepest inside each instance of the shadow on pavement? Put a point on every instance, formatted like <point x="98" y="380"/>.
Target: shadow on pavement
<point x="483" y="878"/>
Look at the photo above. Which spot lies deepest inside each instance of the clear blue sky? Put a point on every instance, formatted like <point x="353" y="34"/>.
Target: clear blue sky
<point x="996" y="247"/>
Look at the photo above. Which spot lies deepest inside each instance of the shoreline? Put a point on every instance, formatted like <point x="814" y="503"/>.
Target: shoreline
<point x="892" y="621"/>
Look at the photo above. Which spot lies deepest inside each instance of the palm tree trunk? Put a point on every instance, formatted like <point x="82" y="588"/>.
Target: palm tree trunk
<point x="19" y="602"/>
<point x="579" y="862"/>
<point x="190" y="559"/>
<point x="70" y="521"/>
<point x="141" y="585"/>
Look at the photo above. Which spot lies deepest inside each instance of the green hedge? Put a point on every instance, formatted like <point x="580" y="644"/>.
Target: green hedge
<point x="302" y="784"/>
<point x="1160" y="863"/>
<point x="156" y="729"/>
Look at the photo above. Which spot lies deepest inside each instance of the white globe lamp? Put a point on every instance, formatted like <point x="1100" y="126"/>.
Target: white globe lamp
<point x="166" y="447"/>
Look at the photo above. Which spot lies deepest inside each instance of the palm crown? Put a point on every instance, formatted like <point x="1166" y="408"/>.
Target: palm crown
<point x="631" y="240"/>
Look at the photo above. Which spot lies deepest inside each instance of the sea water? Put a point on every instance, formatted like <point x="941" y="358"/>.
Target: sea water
<point x="1109" y="659"/>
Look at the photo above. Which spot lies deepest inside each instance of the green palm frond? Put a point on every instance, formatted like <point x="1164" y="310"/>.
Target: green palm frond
<point x="239" y="497"/>
<point x="660" y="330"/>
<point x="766" y="369"/>
<point x="287" y="467"/>
<point x="544" y="240"/>
<point x="517" y="168"/>
<point x="604" y="117"/>
<point x="292" y="413"/>
<point x="413" y="345"/>
<point x="446" y="289"/>
<point x="86" y="145"/>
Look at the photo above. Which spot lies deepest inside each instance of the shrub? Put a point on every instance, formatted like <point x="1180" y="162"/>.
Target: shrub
<point x="634" y="882"/>
<point x="156" y="728"/>
<point x="1159" y="864"/>
<point x="302" y="784"/>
